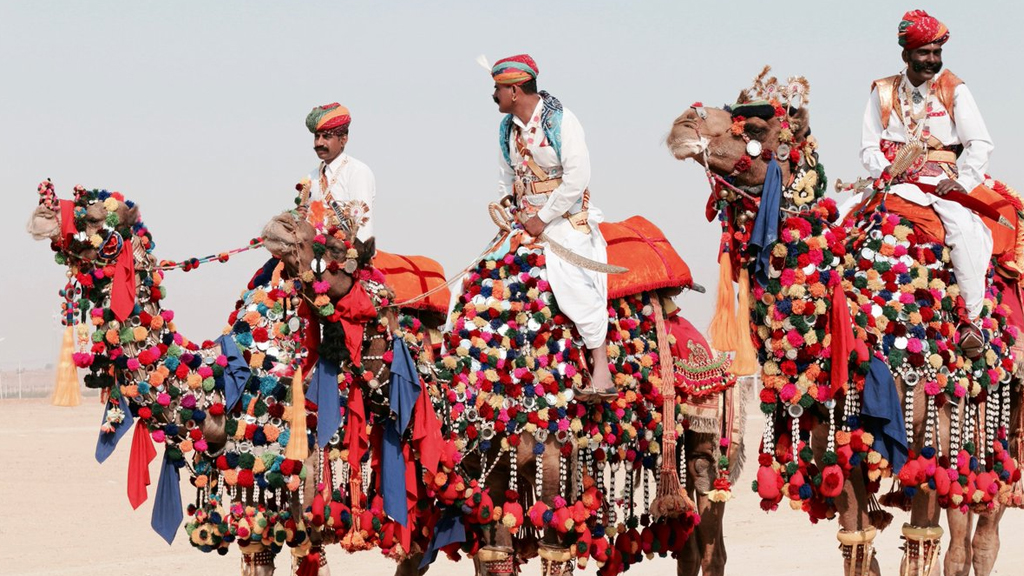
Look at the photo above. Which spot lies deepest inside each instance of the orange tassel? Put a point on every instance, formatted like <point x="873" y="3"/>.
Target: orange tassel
<point x="745" y="363"/>
<point x="723" y="324"/>
<point x="298" y="445"/>
<point x="66" y="391"/>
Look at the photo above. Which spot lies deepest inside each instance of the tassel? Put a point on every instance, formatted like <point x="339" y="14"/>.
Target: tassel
<point x="745" y="363"/>
<point x="298" y="444"/>
<point x="66" y="391"/>
<point x="723" y="324"/>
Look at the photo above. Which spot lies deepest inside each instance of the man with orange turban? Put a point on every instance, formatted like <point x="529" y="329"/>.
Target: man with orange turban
<point x="924" y="136"/>
<point x="341" y="184"/>
<point x="544" y="166"/>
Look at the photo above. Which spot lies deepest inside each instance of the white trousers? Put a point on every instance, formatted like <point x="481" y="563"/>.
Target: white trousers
<point x="582" y="294"/>
<point x="970" y="250"/>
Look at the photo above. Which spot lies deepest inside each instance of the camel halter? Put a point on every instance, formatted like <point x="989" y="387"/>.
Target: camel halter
<point x="715" y="180"/>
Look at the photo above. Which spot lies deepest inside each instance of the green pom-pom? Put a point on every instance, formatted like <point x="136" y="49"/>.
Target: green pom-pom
<point x="830" y="458"/>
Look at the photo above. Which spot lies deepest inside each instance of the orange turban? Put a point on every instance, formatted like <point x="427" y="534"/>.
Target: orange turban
<point x="918" y="29"/>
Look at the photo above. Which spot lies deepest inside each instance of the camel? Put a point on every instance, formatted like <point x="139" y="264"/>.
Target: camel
<point x="227" y="410"/>
<point x="546" y="486"/>
<point x="854" y="324"/>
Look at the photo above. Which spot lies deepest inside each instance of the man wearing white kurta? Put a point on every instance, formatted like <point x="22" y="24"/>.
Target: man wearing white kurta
<point x="545" y="166"/>
<point x="339" y="177"/>
<point x="938" y="111"/>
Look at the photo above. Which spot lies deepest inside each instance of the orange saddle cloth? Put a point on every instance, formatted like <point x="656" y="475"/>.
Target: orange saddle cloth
<point x="412" y="276"/>
<point x="641" y="247"/>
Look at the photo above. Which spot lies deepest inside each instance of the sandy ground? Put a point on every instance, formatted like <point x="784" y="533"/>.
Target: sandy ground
<point x="62" y="513"/>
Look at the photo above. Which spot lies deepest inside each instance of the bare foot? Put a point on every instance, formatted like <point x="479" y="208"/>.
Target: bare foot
<point x="600" y="376"/>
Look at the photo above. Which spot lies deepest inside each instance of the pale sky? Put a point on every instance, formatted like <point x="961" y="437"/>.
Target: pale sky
<point x="196" y="111"/>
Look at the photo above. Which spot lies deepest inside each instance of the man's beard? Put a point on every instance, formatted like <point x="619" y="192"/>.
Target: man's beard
<point x="921" y="67"/>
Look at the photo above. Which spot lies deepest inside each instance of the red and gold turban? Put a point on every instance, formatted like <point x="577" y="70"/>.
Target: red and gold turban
<point x="918" y="29"/>
<point x="327" y="117"/>
<point x="515" y="70"/>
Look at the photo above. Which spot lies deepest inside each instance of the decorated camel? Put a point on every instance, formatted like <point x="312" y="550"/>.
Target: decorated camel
<point x="564" y="478"/>
<point x="854" y="325"/>
<point x="238" y="413"/>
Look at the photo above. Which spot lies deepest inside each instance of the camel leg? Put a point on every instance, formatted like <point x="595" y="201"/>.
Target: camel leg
<point x="856" y="534"/>
<point x="259" y="563"/>
<point x="986" y="542"/>
<point x="922" y="537"/>
<point x="410" y="566"/>
<point x="958" y="558"/>
<point x="705" y="550"/>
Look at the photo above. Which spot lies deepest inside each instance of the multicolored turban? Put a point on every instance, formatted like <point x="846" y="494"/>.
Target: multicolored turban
<point x="327" y="117"/>
<point x="918" y="29"/>
<point x="515" y="70"/>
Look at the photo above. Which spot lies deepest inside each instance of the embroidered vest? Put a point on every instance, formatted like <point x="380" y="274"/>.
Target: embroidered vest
<point x="550" y="122"/>
<point x="889" y="94"/>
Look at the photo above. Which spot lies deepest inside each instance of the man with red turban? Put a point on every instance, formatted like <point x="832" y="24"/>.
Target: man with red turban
<point x="544" y="166"/>
<point x="923" y="134"/>
<point x="340" y="179"/>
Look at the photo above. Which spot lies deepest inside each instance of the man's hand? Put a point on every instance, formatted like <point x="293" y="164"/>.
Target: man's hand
<point x="535" y="226"/>
<point x="947" y="186"/>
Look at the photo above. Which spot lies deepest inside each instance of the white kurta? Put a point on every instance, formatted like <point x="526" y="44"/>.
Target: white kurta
<point x="349" y="180"/>
<point x="581" y="294"/>
<point x="969" y="240"/>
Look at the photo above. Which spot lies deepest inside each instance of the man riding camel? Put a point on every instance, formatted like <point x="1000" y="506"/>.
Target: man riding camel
<point x="340" y="181"/>
<point x="545" y="168"/>
<point x="924" y="136"/>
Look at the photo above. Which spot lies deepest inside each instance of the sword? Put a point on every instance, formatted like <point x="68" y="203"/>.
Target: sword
<point x="503" y="220"/>
<point x="580" y="261"/>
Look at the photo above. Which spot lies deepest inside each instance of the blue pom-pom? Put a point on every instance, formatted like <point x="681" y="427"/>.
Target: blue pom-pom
<point x="538" y="449"/>
<point x="548" y="515"/>
<point x="910" y="491"/>
<point x="805" y="492"/>
<point x="928" y="452"/>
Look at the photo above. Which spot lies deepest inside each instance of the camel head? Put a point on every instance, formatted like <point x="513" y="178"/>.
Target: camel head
<point x="316" y="256"/>
<point x="768" y="120"/>
<point x="88" y="231"/>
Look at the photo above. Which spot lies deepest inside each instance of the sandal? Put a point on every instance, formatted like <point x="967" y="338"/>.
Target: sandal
<point x="972" y="341"/>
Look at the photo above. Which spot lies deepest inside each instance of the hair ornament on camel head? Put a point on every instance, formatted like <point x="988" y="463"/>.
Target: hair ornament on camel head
<point x="766" y="97"/>
<point x="918" y="29"/>
<point x="328" y="117"/>
<point x="515" y="70"/>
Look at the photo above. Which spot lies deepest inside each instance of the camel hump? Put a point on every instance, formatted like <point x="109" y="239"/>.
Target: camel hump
<point x="411" y="277"/>
<point x="653" y="263"/>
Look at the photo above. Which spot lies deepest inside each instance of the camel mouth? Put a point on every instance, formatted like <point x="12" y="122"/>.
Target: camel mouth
<point x="279" y="235"/>
<point x="43" y="224"/>
<point x="689" y="148"/>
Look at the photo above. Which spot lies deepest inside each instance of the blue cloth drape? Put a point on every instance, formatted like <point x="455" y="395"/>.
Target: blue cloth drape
<point x="766" y="226"/>
<point x="405" y="389"/>
<point x="883" y="414"/>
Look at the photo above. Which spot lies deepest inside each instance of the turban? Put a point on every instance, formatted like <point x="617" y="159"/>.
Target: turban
<point x="514" y="70"/>
<point x="327" y="117"/>
<point x="918" y="29"/>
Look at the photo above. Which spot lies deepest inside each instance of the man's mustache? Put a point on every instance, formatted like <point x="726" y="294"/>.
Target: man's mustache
<point x="925" y="67"/>
<point x="495" y="98"/>
<point x="320" y="148"/>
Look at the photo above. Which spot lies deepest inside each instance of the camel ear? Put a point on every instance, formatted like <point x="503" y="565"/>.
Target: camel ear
<point x="367" y="252"/>
<point x="801" y="123"/>
<point x="133" y="215"/>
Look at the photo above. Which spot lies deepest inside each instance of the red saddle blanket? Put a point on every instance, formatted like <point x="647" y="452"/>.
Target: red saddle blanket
<point x="412" y="276"/>
<point x="653" y="263"/>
